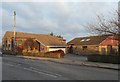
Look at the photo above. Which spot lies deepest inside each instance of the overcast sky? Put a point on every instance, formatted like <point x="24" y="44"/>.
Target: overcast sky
<point x="61" y="18"/>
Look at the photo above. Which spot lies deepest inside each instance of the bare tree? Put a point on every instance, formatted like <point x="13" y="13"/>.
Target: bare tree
<point x="106" y="26"/>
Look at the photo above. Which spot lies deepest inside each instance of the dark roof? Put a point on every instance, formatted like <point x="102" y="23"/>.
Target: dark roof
<point x="45" y="39"/>
<point x="91" y="40"/>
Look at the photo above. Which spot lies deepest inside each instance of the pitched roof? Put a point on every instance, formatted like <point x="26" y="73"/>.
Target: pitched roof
<point x="91" y="40"/>
<point x="45" y="39"/>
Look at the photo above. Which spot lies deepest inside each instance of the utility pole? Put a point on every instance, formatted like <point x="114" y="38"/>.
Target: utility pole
<point x="14" y="31"/>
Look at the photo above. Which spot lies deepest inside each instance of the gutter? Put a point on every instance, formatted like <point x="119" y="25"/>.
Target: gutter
<point x="56" y="46"/>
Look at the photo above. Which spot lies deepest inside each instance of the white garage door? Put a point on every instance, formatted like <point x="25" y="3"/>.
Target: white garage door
<point x="54" y="49"/>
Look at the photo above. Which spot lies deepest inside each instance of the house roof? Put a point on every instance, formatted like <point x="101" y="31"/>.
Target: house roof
<point x="110" y="40"/>
<point x="91" y="40"/>
<point x="45" y="39"/>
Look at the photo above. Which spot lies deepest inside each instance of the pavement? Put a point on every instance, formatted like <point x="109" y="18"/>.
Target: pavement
<point x="76" y="60"/>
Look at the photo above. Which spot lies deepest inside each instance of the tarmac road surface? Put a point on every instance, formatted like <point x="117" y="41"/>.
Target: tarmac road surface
<point x="15" y="68"/>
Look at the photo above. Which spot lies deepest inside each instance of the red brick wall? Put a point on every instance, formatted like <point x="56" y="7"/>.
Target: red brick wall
<point x="91" y="49"/>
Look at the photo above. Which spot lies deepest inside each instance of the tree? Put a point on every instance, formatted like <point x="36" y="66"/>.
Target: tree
<point x="106" y="26"/>
<point x="51" y="34"/>
<point x="59" y="36"/>
<point x="30" y="44"/>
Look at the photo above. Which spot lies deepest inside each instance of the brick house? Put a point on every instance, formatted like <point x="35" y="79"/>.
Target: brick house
<point x="28" y="42"/>
<point x="102" y="44"/>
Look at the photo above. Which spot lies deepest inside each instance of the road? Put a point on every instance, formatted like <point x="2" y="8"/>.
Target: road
<point x="15" y="68"/>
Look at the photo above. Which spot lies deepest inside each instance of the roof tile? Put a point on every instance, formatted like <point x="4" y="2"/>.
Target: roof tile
<point x="46" y="39"/>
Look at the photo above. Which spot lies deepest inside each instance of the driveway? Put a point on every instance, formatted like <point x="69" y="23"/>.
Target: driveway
<point x="75" y="57"/>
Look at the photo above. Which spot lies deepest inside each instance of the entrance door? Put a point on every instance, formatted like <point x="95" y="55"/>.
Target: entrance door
<point x="71" y="49"/>
<point x="109" y="49"/>
<point x="103" y="50"/>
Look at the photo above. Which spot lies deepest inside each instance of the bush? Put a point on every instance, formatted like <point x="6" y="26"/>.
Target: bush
<point x="55" y="54"/>
<point x="104" y="58"/>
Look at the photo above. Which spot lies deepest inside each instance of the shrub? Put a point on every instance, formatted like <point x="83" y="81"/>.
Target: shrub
<point x="55" y="54"/>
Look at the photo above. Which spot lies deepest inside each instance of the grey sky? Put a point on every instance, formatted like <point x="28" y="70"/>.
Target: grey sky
<point x="64" y="18"/>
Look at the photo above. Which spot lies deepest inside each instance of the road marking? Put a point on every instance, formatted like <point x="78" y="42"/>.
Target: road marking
<point x="33" y="70"/>
<point x="46" y="72"/>
<point x="40" y="72"/>
<point x="36" y="70"/>
<point x="18" y="64"/>
<point x="9" y="64"/>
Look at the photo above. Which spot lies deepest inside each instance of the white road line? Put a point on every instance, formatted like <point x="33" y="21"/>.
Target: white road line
<point x="40" y="72"/>
<point x="46" y="72"/>
<point x="9" y="64"/>
<point x="19" y="64"/>
<point x="37" y="70"/>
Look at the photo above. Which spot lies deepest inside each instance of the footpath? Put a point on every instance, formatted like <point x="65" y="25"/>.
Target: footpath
<point x="76" y="60"/>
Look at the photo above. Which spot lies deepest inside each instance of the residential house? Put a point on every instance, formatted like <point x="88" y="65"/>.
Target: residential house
<point x="28" y="42"/>
<point x="102" y="44"/>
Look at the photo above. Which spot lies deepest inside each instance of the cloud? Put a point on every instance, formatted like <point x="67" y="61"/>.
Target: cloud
<point x="65" y="18"/>
<point x="60" y="0"/>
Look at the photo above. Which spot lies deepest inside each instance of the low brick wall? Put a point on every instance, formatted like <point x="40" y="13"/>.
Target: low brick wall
<point x="39" y="54"/>
<point x="8" y="52"/>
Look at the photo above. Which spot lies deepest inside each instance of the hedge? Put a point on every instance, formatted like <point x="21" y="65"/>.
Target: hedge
<point x="51" y="54"/>
<point x="55" y="54"/>
<point x="104" y="58"/>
